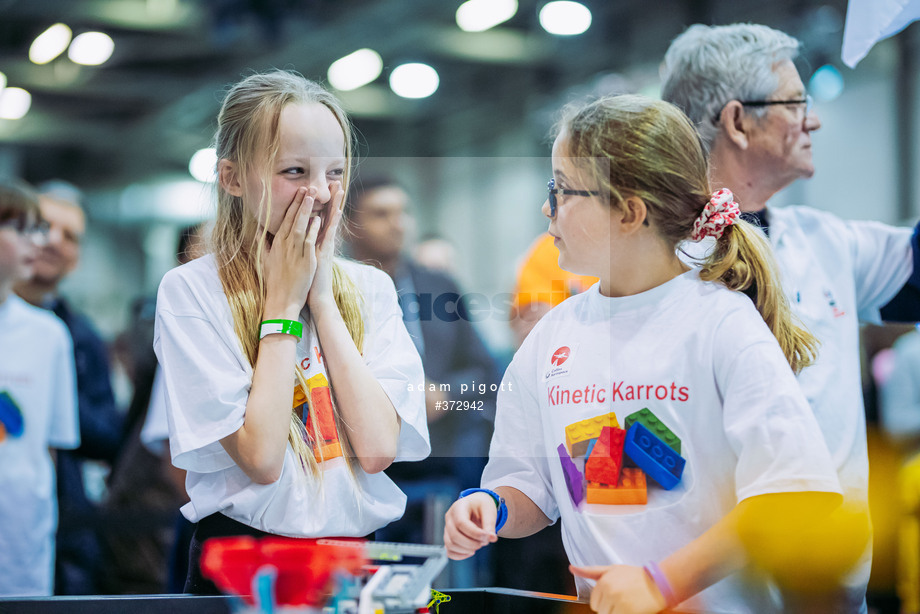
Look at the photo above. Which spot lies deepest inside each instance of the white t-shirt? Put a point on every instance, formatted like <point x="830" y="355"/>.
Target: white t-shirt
<point x="38" y="381"/>
<point x="686" y="351"/>
<point x="205" y="385"/>
<point x="836" y="273"/>
<point x="155" y="432"/>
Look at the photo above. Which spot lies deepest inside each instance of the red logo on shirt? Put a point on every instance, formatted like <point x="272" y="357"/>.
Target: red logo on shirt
<point x="561" y="355"/>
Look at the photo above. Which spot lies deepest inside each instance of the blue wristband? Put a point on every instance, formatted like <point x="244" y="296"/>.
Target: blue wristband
<point x="502" y="517"/>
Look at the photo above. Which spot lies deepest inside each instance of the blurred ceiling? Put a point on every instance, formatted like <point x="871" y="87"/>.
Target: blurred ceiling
<point x="145" y="111"/>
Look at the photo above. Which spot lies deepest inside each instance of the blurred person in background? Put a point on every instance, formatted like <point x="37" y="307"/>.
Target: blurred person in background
<point x="436" y="252"/>
<point x="78" y="551"/>
<point x="453" y="354"/>
<point x="38" y="405"/>
<point x="899" y="393"/>
<point x="540" y="285"/>
<point x="739" y="86"/>
<point x="146" y="547"/>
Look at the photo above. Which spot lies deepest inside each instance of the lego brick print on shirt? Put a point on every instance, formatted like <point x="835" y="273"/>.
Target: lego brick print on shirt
<point x="597" y="451"/>
<point x="12" y="424"/>
<point x="315" y="404"/>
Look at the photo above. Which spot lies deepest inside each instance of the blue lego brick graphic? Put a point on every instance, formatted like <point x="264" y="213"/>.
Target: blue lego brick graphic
<point x="654" y="456"/>
<point x="10" y="415"/>
<point x="590" y="448"/>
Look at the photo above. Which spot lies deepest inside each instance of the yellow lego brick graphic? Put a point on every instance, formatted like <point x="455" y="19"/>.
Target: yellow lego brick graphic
<point x="578" y="434"/>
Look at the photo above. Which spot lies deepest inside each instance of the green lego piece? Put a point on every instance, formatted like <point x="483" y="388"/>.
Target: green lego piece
<point x="650" y="421"/>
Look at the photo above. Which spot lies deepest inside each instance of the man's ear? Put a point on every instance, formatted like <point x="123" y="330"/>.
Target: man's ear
<point x="229" y="177"/>
<point x="732" y="122"/>
<point x="633" y="214"/>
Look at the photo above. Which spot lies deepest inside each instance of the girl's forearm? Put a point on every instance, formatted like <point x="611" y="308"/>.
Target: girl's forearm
<point x="258" y="447"/>
<point x="524" y="516"/>
<point x="370" y="419"/>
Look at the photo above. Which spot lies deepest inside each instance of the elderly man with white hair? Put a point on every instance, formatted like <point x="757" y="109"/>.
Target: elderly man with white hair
<point x="740" y="87"/>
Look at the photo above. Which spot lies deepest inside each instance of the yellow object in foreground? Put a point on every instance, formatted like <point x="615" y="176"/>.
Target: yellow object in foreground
<point x="801" y="545"/>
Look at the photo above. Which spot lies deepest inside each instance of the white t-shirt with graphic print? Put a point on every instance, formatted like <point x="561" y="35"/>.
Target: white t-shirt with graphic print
<point x="700" y="357"/>
<point x="39" y="381"/>
<point x="204" y="386"/>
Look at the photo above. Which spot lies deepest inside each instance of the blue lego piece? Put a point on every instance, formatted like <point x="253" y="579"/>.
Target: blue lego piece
<point x="653" y="456"/>
<point x="10" y="415"/>
<point x="590" y="448"/>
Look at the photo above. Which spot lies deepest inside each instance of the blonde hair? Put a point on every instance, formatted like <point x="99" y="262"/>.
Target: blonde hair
<point x="635" y="146"/>
<point x="18" y="201"/>
<point x="248" y="136"/>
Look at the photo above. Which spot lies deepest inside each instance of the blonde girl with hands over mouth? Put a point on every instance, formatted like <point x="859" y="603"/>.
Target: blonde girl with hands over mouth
<point x="285" y="369"/>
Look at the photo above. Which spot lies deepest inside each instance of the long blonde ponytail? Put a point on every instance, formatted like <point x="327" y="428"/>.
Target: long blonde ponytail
<point x="743" y="260"/>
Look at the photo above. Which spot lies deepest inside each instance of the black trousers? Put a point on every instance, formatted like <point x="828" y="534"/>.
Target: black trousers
<point x="215" y="525"/>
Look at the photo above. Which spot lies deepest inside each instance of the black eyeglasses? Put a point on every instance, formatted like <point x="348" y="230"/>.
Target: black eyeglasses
<point x="553" y="190"/>
<point x="808" y="102"/>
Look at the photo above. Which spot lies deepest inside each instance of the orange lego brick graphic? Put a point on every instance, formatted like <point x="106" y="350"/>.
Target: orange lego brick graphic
<point x="320" y="411"/>
<point x="578" y="434"/>
<point x="327" y="451"/>
<point x="631" y="489"/>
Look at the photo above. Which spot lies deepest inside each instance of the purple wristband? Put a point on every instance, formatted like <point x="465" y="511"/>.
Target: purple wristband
<point x="658" y="577"/>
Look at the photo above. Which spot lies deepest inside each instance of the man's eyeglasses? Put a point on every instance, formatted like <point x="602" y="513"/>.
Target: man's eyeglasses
<point x="37" y="231"/>
<point x="553" y="191"/>
<point x="808" y="102"/>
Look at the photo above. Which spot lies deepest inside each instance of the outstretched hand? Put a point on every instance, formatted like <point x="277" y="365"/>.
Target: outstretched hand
<point x="321" y="292"/>
<point x="469" y="525"/>
<point x="290" y="264"/>
<point x="621" y="589"/>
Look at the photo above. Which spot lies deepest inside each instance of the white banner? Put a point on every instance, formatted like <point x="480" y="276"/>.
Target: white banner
<point x="869" y="21"/>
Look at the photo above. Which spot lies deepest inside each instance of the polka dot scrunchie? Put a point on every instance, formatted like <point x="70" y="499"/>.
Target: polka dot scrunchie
<point x="720" y="212"/>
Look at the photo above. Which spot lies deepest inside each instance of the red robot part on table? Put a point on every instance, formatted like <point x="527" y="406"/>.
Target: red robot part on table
<point x="306" y="570"/>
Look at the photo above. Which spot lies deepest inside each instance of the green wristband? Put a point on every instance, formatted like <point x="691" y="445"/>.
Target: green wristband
<point x="284" y="327"/>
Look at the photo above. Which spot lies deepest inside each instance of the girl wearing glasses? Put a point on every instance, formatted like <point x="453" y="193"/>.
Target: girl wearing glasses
<point x="686" y="372"/>
<point x="38" y="405"/>
<point x="285" y="371"/>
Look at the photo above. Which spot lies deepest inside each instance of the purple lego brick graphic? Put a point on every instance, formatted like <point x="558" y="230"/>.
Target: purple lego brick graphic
<point x="654" y="456"/>
<point x="574" y="481"/>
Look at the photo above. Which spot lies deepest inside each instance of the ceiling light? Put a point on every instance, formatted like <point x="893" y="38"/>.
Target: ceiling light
<point x="50" y="44"/>
<point x="565" y="18"/>
<point x="14" y="103"/>
<point x="480" y="15"/>
<point x="91" y="48"/>
<point x="355" y="69"/>
<point x="414" y="80"/>
<point x="203" y="165"/>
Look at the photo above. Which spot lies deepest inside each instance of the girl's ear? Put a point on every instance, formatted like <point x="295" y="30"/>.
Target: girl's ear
<point x="633" y="214"/>
<point x="228" y="176"/>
